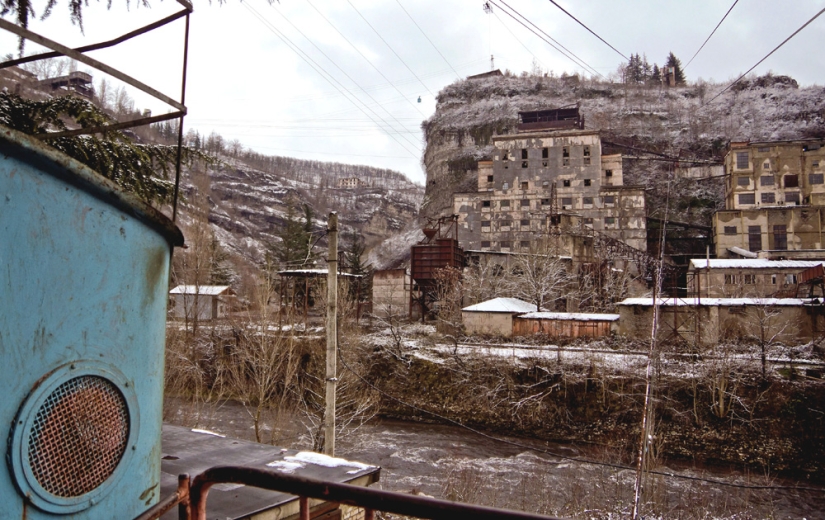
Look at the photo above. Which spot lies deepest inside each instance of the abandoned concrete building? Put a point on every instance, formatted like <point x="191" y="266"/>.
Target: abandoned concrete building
<point x="746" y="277"/>
<point x="551" y="171"/>
<point x="774" y="200"/>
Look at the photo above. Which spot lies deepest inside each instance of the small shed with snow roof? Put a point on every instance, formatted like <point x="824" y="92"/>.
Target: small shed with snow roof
<point x="494" y="317"/>
<point x="565" y="324"/>
<point x="208" y="302"/>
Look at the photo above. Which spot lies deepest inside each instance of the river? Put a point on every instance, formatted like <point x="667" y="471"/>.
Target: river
<point x="451" y="462"/>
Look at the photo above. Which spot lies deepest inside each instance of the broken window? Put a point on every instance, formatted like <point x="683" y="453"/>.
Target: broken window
<point x="742" y="160"/>
<point x="816" y="178"/>
<point x="792" y="197"/>
<point x="525" y="244"/>
<point x="524" y="153"/>
<point x="505" y="244"/>
<point x="730" y="279"/>
<point x="750" y="279"/>
<point x="565" y="156"/>
<point x="588" y="221"/>
<point x="755" y="238"/>
<point x="525" y="203"/>
<point x="791" y="181"/>
<point x="743" y="181"/>
<point x="815" y="164"/>
<point x="609" y="221"/>
<point x="505" y="205"/>
<point x="587" y="201"/>
<point x="524" y="164"/>
<point x="525" y="223"/>
<point x="489" y="178"/>
<point x="730" y="230"/>
<point x="764" y="149"/>
<point x="766" y="180"/>
<point x="485" y="203"/>
<point x="506" y="225"/>
<point x="768" y="198"/>
<point x="766" y="166"/>
<point x="608" y="173"/>
<point x="780" y="237"/>
<point x="565" y="183"/>
<point x="586" y="155"/>
<point x="567" y="201"/>
<point x="525" y="185"/>
<point x="587" y="182"/>
<point x="773" y="279"/>
<point x="485" y="226"/>
<point x="544" y="153"/>
<point x="790" y="279"/>
<point x="609" y="200"/>
<point x="747" y="198"/>
<point x="485" y="243"/>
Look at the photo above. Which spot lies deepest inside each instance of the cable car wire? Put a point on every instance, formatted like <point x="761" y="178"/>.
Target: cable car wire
<point x="427" y="37"/>
<point x="786" y="40"/>
<point x="589" y="30"/>
<point x="712" y="33"/>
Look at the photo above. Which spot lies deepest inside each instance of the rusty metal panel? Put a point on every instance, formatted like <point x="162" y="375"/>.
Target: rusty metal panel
<point x="560" y="328"/>
<point x="82" y="335"/>
<point x="812" y="273"/>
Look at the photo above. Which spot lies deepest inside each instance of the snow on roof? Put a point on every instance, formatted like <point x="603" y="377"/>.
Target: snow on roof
<point x="715" y="302"/>
<point x="206" y="290"/>
<point x="752" y="263"/>
<point x="511" y="305"/>
<point x="301" y="459"/>
<point x="569" y="316"/>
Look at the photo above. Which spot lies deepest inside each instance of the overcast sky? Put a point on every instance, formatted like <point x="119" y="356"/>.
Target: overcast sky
<point x="357" y="99"/>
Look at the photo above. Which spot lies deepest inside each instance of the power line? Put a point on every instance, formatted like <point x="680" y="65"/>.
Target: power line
<point x="343" y="72"/>
<point x="712" y="32"/>
<point x="786" y="40"/>
<point x="391" y="83"/>
<point x="580" y="62"/>
<point x="554" y="454"/>
<point x="329" y="78"/>
<point x="427" y="37"/>
<point x="390" y="48"/>
<point x="515" y="37"/>
<point x="589" y="30"/>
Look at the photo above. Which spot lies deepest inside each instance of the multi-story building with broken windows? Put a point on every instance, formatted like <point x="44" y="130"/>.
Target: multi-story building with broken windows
<point x="774" y="200"/>
<point x="551" y="171"/>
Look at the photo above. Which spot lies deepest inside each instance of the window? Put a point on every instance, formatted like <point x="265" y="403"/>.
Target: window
<point x="525" y="223"/>
<point x="755" y="238"/>
<point x="747" y="198"/>
<point x="587" y="201"/>
<point x="544" y="153"/>
<point x="545" y="202"/>
<point x="586" y="155"/>
<point x="743" y="181"/>
<point x="506" y="156"/>
<point x="489" y="178"/>
<point x="505" y="244"/>
<point x="816" y="178"/>
<point x="485" y="243"/>
<point x="608" y="173"/>
<point x="791" y="181"/>
<point x="766" y="180"/>
<point x="766" y="166"/>
<point x="764" y="149"/>
<point x="730" y="230"/>
<point x="485" y="203"/>
<point x="587" y="182"/>
<point x="588" y="221"/>
<point x="525" y="244"/>
<point x="742" y="161"/>
<point x="524" y="164"/>
<point x="773" y="279"/>
<point x="609" y="200"/>
<point x="565" y="183"/>
<point x="609" y="221"/>
<point x="506" y="225"/>
<point x="730" y="279"/>
<point x="505" y="205"/>
<point x="815" y="164"/>
<point x="780" y="237"/>
<point x="525" y="185"/>
<point x="525" y="203"/>
<point x="790" y="279"/>
<point x="768" y="198"/>
<point x="750" y="279"/>
<point x="567" y="201"/>
<point x="792" y="197"/>
<point x="485" y="226"/>
<point x="565" y="156"/>
<point x="524" y="153"/>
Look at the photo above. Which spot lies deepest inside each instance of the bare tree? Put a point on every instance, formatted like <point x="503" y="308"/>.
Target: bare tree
<point x="542" y="276"/>
<point x="766" y="327"/>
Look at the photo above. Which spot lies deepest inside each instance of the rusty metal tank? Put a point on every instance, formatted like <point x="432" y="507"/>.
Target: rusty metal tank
<point x="84" y="270"/>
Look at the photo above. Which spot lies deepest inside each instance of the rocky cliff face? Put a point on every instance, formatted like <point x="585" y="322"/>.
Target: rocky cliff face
<point x="688" y="122"/>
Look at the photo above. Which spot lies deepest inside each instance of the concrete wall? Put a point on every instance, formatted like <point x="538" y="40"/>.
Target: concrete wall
<point x="208" y="307"/>
<point x="803" y="229"/>
<point x="740" y="283"/>
<point x="491" y="323"/>
<point x="391" y="292"/>
<point x="562" y="328"/>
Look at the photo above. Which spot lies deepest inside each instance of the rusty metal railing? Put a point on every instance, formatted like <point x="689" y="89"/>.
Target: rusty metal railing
<point x="191" y="497"/>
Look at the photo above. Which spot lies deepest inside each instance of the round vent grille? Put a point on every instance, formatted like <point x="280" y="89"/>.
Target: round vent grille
<point x="78" y="436"/>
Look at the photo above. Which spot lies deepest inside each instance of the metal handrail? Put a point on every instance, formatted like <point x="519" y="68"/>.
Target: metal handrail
<point x="192" y="497"/>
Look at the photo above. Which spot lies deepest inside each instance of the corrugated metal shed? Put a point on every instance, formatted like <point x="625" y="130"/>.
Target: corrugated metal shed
<point x="564" y="324"/>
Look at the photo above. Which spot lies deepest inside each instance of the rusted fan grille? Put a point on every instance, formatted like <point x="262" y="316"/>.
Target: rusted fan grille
<point x="79" y="436"/>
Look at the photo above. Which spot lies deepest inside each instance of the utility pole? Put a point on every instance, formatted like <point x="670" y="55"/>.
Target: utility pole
<point x="332" y="335"/>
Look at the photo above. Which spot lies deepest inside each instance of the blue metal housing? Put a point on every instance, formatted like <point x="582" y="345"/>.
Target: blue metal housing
<point x="84" y="272"/>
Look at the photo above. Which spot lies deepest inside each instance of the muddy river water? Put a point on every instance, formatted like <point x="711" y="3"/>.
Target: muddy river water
<point x="454" y="463"/>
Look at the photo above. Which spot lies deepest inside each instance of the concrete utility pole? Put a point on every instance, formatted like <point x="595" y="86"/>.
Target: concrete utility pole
<point x="332" y="335"/>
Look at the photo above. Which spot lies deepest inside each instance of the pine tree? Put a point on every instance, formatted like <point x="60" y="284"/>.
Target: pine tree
<point x="678" y="73"/>
<point x="294" y="250"/>
<point x="655" y="74"/>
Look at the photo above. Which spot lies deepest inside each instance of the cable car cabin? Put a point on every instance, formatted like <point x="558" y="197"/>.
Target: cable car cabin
<point x="85" y="272"/>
